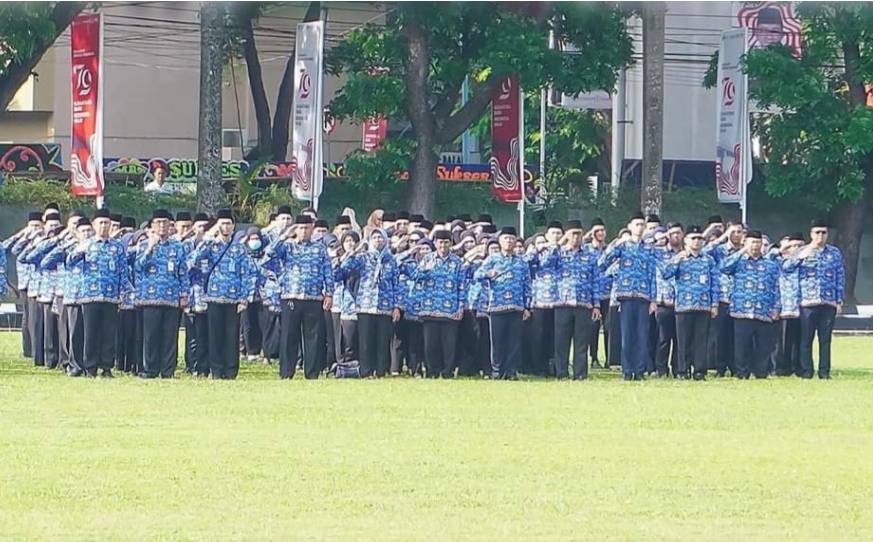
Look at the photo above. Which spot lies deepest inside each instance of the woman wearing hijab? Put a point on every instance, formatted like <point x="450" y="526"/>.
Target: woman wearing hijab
<point x="347" y="290"/>
<point x="253" y="337"/>
<point x="377" y="302"/>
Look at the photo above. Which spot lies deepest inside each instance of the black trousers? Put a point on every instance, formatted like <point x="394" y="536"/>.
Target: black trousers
<point x="603" y="323"/>
<point x="753" y="342"/>
<point x="35" y="323"/>
<point x="302" y="322"/>
<point x="250" y="320"/>
<point x="349" y="339"/>
<point x="721" y="341"/>
<point x="483" y="345"/>
<point x="76" y="325"/>
<point x="374" y="341"/>
<point x="466" y="353"/>
<point x="399" y="345"/>
<point x="336" y="326"/>
<point x="818" y="320"/>
<point x="692" y="332"/>
<point x="160" y="337"/>
<point x="665" y="320"/>
<point x="613" y="337"/>
<point x="63" y="334"/>
<point x="100" y="321"/>
<point x="202" y="359"/>
<point x="542" y="322"/>
<point x="788" y="355"/>
<point x="26" y="337"/>
<point x="415" y="353"/>
<point x="51" y="341"/>
<point x="223" y="322"/>
<point x="572" y="324"/>
<point x="129" y="338"/>
<point x="440" y="347"/>
<point x="190" y="342"/>
<point x="270" y="330"/>
<point x="330" y="334"/>
<point x="506" y="336"/>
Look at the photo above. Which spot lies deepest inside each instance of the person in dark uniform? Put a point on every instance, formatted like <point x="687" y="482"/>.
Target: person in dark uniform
<point x="228" y="286"/>
<point x="695" y="280"/>
<point x="442" y="305"/>
<point x="162" y="286"/>
<point x="596" y="238"/>
<point x="508" y="278"/>
<point x="103" y="275"/>
<point x="307" y="283"/>
<point x="14" y="245"/>
<point x="822" y="287"/>
<point x="755" y="304"/>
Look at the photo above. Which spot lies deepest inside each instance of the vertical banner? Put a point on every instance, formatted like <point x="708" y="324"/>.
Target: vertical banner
<point x="86" y="134"/>
<point x="373" y="132"/>
<point x="733" y="155"/>
<point x="506" y="147"/>
<point x="306" y="149"/>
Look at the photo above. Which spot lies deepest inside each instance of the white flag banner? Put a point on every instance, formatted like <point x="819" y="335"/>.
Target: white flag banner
<point x="306" y="148"/>
<point x="733" y="155"/>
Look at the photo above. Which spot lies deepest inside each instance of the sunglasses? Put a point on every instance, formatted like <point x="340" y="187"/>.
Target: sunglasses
<point x="819" y="232"/>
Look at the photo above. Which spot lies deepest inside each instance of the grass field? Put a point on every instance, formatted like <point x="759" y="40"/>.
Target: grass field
<point x="413" y="460"/>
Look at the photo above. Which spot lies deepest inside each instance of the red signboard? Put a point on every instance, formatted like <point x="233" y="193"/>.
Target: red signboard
<point x="506" y="146"/>
<point x="86" y="160"/>
<point x="373" y="133"/>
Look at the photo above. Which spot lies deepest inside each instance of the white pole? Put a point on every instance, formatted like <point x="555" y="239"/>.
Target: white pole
<point x="521" y="160"/>
<point x="618" y="132"/>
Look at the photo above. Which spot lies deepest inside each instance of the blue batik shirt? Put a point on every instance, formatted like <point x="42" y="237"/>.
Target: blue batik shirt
<point x="161" y="277"/>
<point x="665" y="289"/>
<point x="445" y="283"/>
<point x="755" y="290"/>
<point x="720" y="253"/>
<point x="789" y="288"/>
<point x="232" y="279"/>
<point x="3" y="279"/>
<point x="695" y="281"/>
<point x="477" y="291"/>
<point x="103" y="272"/>
<point x="44" y="280"/>
<point x="545" y="279"/>
<point x="410" y="292"/>
<point x="611" y="272"/>
<point x="15" y="245"/>
<point x="603" y="281"/>
<point x="635" y="277"/>
<point x="822" y="276"/>
<point x="303" y="268"/>
<point x="576" y="276"/>
<point x="377" y="289"/>
<point x="510" y="289"/>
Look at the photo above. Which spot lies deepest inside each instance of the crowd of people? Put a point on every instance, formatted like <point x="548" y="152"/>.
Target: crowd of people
<point x="403" y="295"/>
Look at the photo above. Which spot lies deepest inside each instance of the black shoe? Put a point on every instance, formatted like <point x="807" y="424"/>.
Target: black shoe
<point x="719" y="374"/>
<point x="596" y="364"/>
<point x="146" y="375"/>
<point x="700" y="377"/>
<point x="106" y="374"/>
<point x="75" y="372"/>
<point x="628" y="377"/>
<point x="639" y="378"/>
<point x="824" y="377"/>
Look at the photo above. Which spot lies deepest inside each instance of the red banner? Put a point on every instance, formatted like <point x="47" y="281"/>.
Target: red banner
<point x="86" y="160"/>
<point x="373" y="133"/>
<point x="506" y="149"/>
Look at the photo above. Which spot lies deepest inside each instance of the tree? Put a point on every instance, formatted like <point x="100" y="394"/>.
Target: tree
<point x="272" y="134"/>
<point x="413" y="67"/>
<point x="27" y="30"/>
<point x="213" y="30"/>
<point x="819" y="143"/>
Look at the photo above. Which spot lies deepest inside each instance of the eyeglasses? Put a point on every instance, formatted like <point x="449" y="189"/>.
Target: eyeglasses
<point x="819" y="232"/>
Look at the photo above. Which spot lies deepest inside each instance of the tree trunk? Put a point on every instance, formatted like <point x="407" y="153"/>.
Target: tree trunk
<point x="653" y="106"/>
<point x="15" y="74"/>
<point x="850" y="227"/>
<point x="421" y="188"/>
<point x="282" y="117"/>
<point x="259" y="94"/>
<point x="209" y="190"/>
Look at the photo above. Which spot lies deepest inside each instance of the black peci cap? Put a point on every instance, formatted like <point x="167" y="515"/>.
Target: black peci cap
<point x="127" y="222"/>
<point x="426" y="225"/>
<point x="389" y="217"/>
<point x="754" y="234"/>
<point x="183" y="216"/>
<point x="402" y="215"/>
<point x="714" y="219"/>
<point x="34" y="216"/>
<point x="554" y="224"/>
<point x="796" y="236"/>
<point x="653" y="218"/>
<point x="574" y="225"/>
<point x="201" y="217"/>
<point x="693" y="230"/>
<point x="818" y="223"/>
<point x="78" y="212"/>
<point x="284" y="210"/>
<point x="442" y="234"/>
<point x="508" y="230"/>
<point x="321" y="223"/>
<point x="224" y="214"/>
<point x="101" y="213"/>
<point x="161" y="214"/>
<point x="83" y="222"/>
<point x="596" y="222"/>
<point x="114" y="217"/>
<point x="416" y="218"/>
<point x="489" y="229"/>
<point x="484" y="219"/>
<point x="638" y="216"/>
<point x="465" y="217"/>
<point x="343" y="219"/>
<point x="303" y="219"/>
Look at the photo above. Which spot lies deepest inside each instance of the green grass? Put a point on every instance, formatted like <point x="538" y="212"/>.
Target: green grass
<point x="403" y="460"/>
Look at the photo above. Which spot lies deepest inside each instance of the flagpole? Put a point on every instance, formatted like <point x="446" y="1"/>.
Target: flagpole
<point x="521" y="160"/>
